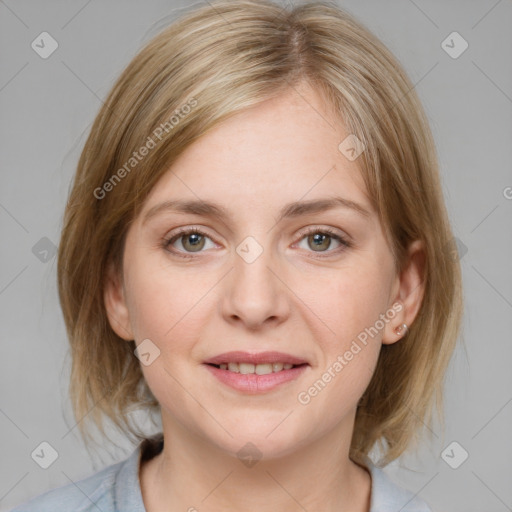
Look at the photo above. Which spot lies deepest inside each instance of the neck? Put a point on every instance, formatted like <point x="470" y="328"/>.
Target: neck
<point x="192" y="474"/>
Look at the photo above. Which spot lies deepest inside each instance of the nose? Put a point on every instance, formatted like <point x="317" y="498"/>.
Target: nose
<point x="255" y="293"/>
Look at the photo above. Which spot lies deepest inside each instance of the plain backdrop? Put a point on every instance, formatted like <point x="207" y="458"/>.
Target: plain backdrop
<point x="47" y="106"/>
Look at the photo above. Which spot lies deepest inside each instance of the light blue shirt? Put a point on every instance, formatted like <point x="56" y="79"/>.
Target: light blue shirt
<point x="116" y="488"/>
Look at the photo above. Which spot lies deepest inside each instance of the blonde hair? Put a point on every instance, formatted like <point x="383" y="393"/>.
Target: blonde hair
<point x="210" y="64"/>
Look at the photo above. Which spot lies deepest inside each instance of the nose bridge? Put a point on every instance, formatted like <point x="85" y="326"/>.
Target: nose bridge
<point x="254" y="291"/>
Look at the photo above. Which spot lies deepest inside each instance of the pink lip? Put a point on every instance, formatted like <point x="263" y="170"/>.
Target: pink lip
<point x="253" y="383"/>
<point x="255" y="358"/>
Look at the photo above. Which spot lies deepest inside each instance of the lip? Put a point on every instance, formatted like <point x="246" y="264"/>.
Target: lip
<point x="254" y="384"/>
<point x="255" y="358"/>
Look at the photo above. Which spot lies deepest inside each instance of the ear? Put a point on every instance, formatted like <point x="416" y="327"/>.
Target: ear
<point x="408" y="291"/>
<point x="115" y="305"/>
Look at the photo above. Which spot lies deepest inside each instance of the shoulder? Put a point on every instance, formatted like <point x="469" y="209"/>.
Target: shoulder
<point x="114" y="488"/>
<point x="96" y="492"/>
<point x="387" y="495"/>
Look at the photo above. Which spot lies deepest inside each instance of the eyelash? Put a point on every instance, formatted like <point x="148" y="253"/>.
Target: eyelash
<point x="345" y="244"/>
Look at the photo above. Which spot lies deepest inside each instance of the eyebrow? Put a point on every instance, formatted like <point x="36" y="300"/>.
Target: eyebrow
<point x="290" y="210"/>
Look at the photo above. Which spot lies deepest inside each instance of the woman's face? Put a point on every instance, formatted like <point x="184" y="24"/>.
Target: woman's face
<point x="259" y="280"/>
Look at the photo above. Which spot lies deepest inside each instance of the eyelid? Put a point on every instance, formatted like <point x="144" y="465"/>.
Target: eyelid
<point x="186" y="230"/>
<point x="325" y="229"/>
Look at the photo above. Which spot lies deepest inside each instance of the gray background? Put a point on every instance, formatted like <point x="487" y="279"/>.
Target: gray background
<point x="47" y="106"/>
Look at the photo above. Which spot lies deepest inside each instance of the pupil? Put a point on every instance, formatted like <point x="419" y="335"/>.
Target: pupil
<point x="195" y="237"/>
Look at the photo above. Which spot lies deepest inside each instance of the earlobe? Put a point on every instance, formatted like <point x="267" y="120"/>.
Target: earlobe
<point x="411" y="287"/>
<point x="402" y="330"/>
<point x="397" y="328"/>
<point x="115" y="305"/>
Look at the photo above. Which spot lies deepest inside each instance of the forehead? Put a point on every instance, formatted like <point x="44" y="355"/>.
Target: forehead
<point x="282" y="150"/>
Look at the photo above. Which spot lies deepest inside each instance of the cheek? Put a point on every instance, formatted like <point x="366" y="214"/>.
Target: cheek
<point x="346" y="301"/>
<point x="363" y="295"/>
<point x="165" y="302"/>
<point x="166" y="308"/>
<point x="351" y="304"/>
<point x="153" y="307"/>
<point x="347" y="305"/>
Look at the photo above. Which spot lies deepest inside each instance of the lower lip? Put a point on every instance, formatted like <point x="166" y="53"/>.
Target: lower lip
<point x="253" y="383"/>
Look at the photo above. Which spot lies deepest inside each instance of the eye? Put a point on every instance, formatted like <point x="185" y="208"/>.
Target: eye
<point x="191" y="240"/>
<point x="320" y="239"/>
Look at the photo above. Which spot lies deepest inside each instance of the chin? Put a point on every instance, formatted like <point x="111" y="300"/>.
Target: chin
<point x="260" y="445"/>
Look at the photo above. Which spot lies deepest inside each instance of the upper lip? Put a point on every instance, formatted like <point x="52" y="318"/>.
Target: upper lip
<point x="255" y="358"/>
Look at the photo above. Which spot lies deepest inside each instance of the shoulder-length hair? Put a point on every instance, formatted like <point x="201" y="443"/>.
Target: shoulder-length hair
<point x="210" y="64"/>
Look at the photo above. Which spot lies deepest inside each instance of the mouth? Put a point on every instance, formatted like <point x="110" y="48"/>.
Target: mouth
<point x="256" y="372"/>
<point x="258" y="369"/>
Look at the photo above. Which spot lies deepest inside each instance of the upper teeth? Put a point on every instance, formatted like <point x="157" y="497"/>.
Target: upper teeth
<point x="259" y="369"/>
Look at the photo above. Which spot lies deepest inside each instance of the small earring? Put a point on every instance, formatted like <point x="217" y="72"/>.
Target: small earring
<point x="402" y="330"/>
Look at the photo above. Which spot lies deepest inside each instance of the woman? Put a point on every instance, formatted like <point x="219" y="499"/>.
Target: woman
<point x="256" y="246"/>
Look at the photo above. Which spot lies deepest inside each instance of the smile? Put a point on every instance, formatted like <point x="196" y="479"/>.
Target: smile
<point x="254" y="379"/>
<point x="259" y="369"/>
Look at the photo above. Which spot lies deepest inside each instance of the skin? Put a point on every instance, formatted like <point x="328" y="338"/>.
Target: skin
<point x="288" y="299"/>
